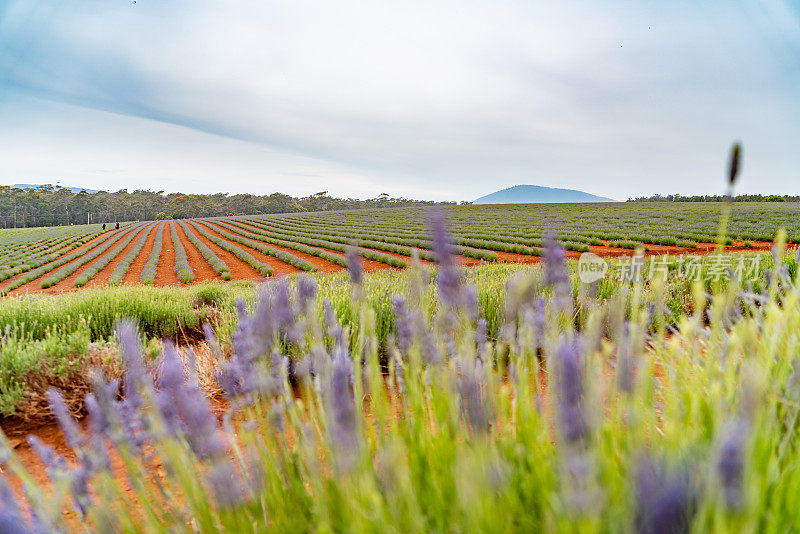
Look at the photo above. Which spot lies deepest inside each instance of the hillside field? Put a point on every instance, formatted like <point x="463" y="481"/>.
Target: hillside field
<point x="486" y="376"/>
<point x="164" y="253"/>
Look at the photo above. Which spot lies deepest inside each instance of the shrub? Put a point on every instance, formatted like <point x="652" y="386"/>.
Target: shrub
<point x="182" y="267"/>
<point x="149" y="271"/>
<point x="219" y="266"/>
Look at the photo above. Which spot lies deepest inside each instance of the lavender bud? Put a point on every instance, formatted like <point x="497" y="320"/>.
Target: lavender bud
<point x="306" y="291"/>
<point x="449" y="279"/>
<point x="664" y="503"/>
<point x="730" y="464"/>
<point x="342" y="410"/>
<point x="354" y="266"/>
<point x="98" y="421"/>
<point x="555" y="273"/>
<point x="733" y="165"/>
<point x="626" y="367"/>
<point x="12" y="523"/>
<point x="572" y="419"/>
<point x="474" y="409"/>
<point x="225" y="484"/>
<point x="212" y="341"/>
<point x="404" y="326"/>
<point x="53" y="462"/>
<point x="66" y="422"/>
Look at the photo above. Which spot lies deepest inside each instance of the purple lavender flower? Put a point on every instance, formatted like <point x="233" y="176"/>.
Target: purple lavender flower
<point x="664" y="502"/>
<point x="431" y="352"/>
<point x="98" y="421"/>
<point x="66" y="422"/>
<point x="55" y="464"/>
<point x="404" y="325"/>
<point x="449" y="279"/>
<point x="135" y="372"/>
<point x="11" y="520"/>
<point x="281" y="304"/>
<point x="555" y="272"/>
<point x="572" y="419"/>
<point x="730" y="464"/>
<point x="354" y="265"/>
<point x="537" y="320"/>
<point x="342" y="409"/>
<point x="225" y="484"/>
<point x="306" y="291"/>
<point x="80" y="489"/>
<point x="626" y="367"/>
<point x="211" y="339"/>
<point x="480" y="332"/>
<point x="12" y="523"/>
<point x="474" y="408"/>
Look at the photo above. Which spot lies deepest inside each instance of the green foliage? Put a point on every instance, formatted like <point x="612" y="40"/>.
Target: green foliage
<point x="182" y="267"/>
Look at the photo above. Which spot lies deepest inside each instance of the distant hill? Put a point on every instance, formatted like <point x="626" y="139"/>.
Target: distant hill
<point x="536" y="194"/>
<point x="34" y="186"/>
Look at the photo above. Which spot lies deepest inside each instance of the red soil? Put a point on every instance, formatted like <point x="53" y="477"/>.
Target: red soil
<point x="239" y="270"/>
<point x="323" y="265"/>
<point x="101" y="278"/>
<point x="278" y="267"/>
<point x="68" y="284"/>
<point x="50" y="434"/>
<point x="165" y="272"/>
<point x="135" y="270"/>
<point x="242" y="271"/>
<point x="202" y="270"/>
<point x="369" y="265"/>
<point x="85" y="247"/>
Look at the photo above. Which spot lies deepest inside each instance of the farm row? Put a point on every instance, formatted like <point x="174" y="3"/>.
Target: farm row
<point x="417" y="403"/>
<point x="253" y="247"/>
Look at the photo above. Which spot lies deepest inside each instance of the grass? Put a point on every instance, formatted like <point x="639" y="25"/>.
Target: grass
<point x="179" y="312"/>
<point x="588" y="414"/>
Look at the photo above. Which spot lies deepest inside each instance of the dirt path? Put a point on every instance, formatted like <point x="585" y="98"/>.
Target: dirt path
<point x="323" y="265"/>
<point x="203" y="272"/>
<point x="239" y="270"/>
<point x="165" y="273"/>
<point x="279" y="268"/>
<point x="101" y="278"/>
<point x="135" y="270"/>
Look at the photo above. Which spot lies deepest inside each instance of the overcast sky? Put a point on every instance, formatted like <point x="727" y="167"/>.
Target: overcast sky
<point x="429" y="99"/>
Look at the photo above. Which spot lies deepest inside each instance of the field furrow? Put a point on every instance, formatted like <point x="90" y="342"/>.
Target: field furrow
<point x="133" y="276"/>
<point x="201" y="268"/>
<point x="165" y="272"/>
<point x="86" y="261"/>
<point x="104" y="277"/>
<point x="320" y="263"/>
<point x="278" y="267"/>
<point x="76" y="251"/>
<point x="77" y="258"/>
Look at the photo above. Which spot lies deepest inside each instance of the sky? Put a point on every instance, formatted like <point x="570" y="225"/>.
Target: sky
<point x="441" y="100"/>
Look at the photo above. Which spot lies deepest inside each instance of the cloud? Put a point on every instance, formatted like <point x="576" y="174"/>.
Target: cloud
<point x="445" y="98"/>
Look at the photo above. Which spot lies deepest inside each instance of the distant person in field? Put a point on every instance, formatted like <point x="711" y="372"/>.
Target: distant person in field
<point x="104" y="227"/>
<point x="117" y="227"/>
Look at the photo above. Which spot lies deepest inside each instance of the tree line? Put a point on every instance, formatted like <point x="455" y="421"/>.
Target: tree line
<point x="717" y="198"/>
<point x="47" y="205"/>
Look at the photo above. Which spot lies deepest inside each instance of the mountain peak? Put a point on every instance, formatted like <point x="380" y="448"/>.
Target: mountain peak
<point x="537" y="194"/>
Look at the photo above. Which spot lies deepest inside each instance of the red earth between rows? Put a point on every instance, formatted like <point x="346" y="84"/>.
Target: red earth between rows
<point x="240" y="270"/>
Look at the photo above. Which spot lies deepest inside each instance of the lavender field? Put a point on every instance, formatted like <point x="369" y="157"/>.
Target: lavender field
<point x="505" y="401"/>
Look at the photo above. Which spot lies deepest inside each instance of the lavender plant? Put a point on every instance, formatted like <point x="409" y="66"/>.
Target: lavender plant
<point x="575" y="414"/>
<point x="182" y="267"/>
